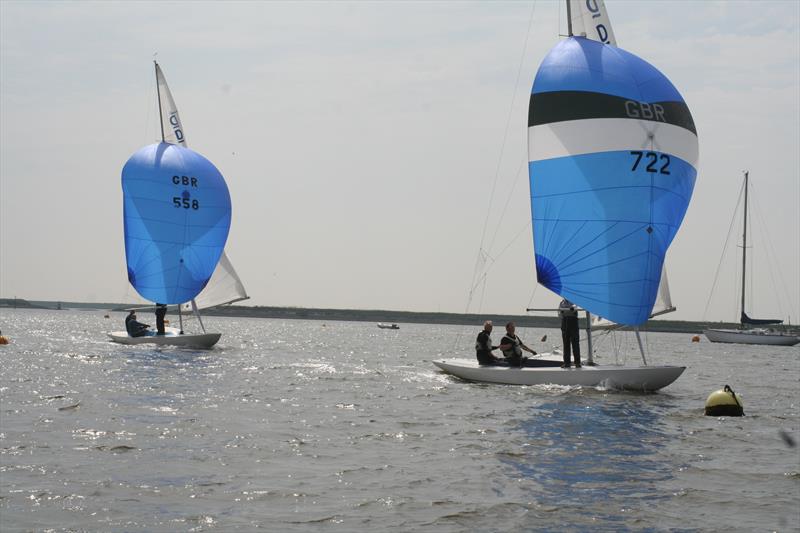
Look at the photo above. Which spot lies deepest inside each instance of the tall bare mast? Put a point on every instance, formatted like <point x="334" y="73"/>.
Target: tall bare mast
<point x="744" y="239"/>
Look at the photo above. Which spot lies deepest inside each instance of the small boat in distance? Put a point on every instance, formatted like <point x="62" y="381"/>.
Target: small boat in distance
<point x="388" y="326"/>
<point x="747" y="334"/>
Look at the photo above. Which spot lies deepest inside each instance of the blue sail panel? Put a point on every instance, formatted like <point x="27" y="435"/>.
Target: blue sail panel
<point x="177" y="214"/>
<point x="598" y="247"/>
<point x="612" y="162"/>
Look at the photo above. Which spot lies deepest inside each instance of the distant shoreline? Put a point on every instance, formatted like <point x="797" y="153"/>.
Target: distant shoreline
<point x="370" y="315"/>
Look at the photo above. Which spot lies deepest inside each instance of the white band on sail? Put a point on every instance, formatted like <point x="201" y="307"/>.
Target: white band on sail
<point x="588" y="136"/>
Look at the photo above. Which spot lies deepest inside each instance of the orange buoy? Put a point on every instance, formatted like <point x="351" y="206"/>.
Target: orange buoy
<point x="696" y="338"/>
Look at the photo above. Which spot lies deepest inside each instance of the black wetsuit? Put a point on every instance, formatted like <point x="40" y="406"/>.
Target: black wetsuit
<point x="134" y="327"/>
<point x="161" y="312"/>
<point x="483" y="349"/>
<point x="569" y="333"/>
<point x="514" y="355"/>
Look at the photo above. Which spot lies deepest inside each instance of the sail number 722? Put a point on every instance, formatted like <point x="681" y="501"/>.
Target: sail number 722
<point x="652" y="160"/>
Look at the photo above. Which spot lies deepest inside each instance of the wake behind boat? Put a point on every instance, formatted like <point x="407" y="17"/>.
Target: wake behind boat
<point x="641" y="378"/>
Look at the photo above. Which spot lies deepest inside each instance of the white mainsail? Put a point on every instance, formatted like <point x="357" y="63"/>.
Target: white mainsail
<point x="224" y="286"/>
<point x="171" y="127"/>
<point x="589" y="18"/>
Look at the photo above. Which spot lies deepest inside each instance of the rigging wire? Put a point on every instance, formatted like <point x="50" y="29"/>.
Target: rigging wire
<point x="771" y="256"/>
<point x="724" y="248"/>
<point x="482" y="257"/>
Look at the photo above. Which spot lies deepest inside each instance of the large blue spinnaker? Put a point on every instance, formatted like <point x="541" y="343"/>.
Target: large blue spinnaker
<point x="177" y="213"/>
<point x="612" y="160"/>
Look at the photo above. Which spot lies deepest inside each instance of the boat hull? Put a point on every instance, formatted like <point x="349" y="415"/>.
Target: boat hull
<point x="641" y="378"/>
<point x="735" y="336"/>
<point x="171" y="338"/>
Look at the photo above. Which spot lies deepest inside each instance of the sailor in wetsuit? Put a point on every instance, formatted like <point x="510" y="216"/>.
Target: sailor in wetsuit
<point x="483" y="346"/>
<point x="570" y="334"/>
<point x="134" y="327"/>
<point x="161" y="312"/>
<point x="512" y="346"/>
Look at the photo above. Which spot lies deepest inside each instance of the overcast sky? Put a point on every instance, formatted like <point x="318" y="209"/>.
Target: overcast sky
<point x="361" y="141"/>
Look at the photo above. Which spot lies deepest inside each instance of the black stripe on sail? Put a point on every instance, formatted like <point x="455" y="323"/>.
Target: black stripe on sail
<point x="560" y="106"/>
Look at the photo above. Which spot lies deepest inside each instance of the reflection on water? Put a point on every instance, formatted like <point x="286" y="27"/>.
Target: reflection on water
<point x="298" y="426"/>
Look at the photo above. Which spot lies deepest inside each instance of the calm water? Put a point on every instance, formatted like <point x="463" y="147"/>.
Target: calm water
<point x="307" y="426"/>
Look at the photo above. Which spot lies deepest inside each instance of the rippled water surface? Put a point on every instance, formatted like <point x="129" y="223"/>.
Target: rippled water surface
<point x="341" y="426"/>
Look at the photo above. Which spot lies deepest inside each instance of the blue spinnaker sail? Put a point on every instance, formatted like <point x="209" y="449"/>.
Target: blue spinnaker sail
<point x="177" y="213"/>
<point x="612" y="160"/>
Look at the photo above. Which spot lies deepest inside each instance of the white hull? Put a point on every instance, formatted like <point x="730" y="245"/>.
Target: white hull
<point x="171" y="338"/>
<point x="641" y="378"/>
<point x="751" y="336"/>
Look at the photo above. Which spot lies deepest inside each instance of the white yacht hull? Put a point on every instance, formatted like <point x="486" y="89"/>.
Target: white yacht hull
<point x="641" y="378"/>
<point x="171" y="338"/>
<point x="751" y="336"/>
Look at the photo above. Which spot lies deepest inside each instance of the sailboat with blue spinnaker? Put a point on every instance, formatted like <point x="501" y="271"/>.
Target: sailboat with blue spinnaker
<point x="613" y="154"/>
<point x="177" y="216"/>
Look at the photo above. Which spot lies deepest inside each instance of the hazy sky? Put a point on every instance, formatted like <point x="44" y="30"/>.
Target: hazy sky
<point x="361" y="141"/>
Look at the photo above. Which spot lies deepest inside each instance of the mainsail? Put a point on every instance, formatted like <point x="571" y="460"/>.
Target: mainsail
<point x="225" y="286"/>
<point x="612" y="160"/>
<point x="589" y="18"/>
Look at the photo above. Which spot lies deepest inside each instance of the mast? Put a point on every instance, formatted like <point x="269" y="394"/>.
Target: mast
<point x="158" y="93"/>
<point x="744" y="241"/>
<point x="569" y="18"/>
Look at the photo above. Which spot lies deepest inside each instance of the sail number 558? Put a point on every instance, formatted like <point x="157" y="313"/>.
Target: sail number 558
<point x="656" y="163"/>
<point x="185" y="203"/>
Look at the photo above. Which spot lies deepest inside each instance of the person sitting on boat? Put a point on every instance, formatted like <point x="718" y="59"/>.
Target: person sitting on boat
<point x="134" y="327"/>
<point x="512" y="346"/>
<point x="569" y="332"/>
<point x="161" y="312"/>
<point x="483" y="346"/>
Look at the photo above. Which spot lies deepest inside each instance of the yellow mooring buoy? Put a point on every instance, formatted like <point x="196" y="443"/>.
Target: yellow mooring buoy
<point x="724" y="402"/>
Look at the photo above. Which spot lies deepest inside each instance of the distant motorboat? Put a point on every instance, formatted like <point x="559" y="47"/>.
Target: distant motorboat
<point x="388" y="326"/>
